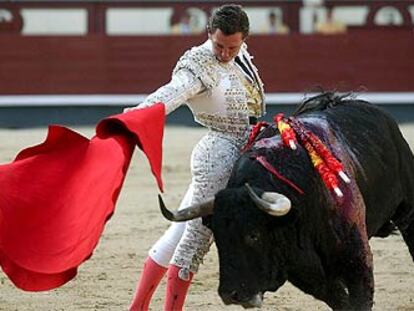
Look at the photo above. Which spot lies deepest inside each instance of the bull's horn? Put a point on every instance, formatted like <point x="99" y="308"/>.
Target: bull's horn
<point x="188" y="213"/>
<point x="273" y="203"/>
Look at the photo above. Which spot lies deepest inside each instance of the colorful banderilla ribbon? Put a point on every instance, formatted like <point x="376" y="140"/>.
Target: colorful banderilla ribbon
<point x="254" y="133"/>
<point x="286" y="132"/>
<point x="321" y="157"/>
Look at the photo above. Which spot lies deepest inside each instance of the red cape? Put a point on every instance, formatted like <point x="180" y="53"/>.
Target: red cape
<point x="56" y="197"/>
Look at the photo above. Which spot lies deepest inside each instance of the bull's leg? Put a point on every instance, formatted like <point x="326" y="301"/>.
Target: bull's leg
<point x="357" y="271"/>
<point x="404" y="220"/>
<point x="333" y="293"/>
<point x="312" y="282"/>
<point x="309" y="275"/>
<point x="408" y="236"/>
<point x="338" y="298"/>
<point x="360" y="286"/>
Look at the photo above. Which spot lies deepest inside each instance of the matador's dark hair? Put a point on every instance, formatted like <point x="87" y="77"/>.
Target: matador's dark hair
<point x="230" y="19"/>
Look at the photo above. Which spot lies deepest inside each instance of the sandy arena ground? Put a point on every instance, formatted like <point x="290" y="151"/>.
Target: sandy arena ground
<point x="107" y="281"/>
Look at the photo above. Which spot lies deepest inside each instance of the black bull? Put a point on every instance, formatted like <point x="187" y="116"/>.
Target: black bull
<point x="321" y="244"/>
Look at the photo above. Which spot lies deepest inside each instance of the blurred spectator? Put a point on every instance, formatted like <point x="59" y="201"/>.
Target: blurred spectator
<point x="184" y="26"/>
<point x="10" y="20"/>
<point x="5" y="16"/>
<point x="330" y="26"/>
<point x="274" y="25"/>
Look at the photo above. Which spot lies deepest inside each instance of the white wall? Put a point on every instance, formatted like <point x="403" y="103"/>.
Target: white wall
<point x="130" y="21"/>
<point x="55" y="21"/>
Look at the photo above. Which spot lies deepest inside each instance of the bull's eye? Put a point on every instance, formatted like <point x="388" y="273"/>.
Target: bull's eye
<point x="252" y="238"/>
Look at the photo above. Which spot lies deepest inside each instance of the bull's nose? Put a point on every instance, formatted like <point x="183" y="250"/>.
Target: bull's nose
<point x="254" y="302"/>
<point x="230" y="298"/>
<point x="235" y="298"/>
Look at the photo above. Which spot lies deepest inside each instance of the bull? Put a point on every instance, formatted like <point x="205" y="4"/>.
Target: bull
<point x="268" y="233"/>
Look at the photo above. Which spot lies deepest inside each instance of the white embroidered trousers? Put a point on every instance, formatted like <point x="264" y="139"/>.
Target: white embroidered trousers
<point x="185" y="244"/>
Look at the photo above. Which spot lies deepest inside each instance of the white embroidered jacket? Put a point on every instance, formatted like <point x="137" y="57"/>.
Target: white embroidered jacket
<point x="221" y="96"/>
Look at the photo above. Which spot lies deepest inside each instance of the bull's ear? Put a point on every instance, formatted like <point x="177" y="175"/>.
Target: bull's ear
<point x="191" y="212"/>
<point x="272" y="203"/>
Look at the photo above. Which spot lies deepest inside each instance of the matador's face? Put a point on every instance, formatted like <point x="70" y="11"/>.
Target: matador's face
<point x="226" y="47"/>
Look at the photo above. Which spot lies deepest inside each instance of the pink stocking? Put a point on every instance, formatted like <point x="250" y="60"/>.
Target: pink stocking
<point x="176" y="289"/>
<point x="150" y="278"/>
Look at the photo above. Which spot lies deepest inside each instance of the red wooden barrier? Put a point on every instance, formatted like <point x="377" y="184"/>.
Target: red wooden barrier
<point x="380" y="61"/>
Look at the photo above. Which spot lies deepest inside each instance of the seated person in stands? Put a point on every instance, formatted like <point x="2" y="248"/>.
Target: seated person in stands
<point x="184" y="27"/>
<point x="274" y="25"/>
<point x="330" y="26"/>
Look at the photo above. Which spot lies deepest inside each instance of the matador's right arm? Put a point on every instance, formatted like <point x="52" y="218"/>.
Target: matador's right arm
<point x="183" y="86"/>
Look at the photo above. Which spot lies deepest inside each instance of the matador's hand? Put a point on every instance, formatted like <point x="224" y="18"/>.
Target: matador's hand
<point x="127" y="109"/>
